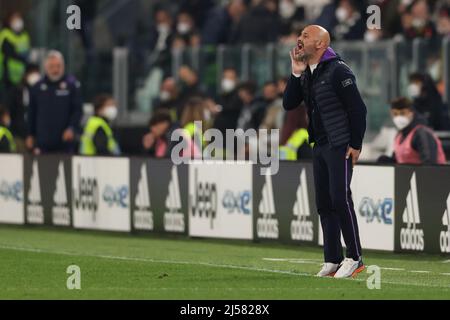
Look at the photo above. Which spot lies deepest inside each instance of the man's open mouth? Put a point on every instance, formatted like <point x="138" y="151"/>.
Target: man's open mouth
<point x="299" y="46"/>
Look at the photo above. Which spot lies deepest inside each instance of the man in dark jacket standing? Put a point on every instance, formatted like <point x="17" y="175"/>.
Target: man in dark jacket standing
<point x="55" y="109"/>
<point x="337" y="125"/>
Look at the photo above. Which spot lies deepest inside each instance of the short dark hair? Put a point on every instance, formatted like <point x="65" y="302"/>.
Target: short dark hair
<point x="413" y="3"/>
<point x="185" y="11"/>
<point x="248" y="86"/>
<point x="159" y="117"/>
<point x="229" y="68"/>
<point x="401" y="103"/>
<point x="417" y="76"/>
<point x="32" y="67"/>
<point x="9" y="16"/>
<point x="100" y="100"/>
<point x="269" y="83"/>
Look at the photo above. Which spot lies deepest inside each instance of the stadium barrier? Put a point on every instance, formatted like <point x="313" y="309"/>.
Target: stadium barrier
<point x="399" y="208"/>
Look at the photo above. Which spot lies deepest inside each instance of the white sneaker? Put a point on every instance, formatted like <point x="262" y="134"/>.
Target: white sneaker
<point x="328" y="269"/>
<point x="349" y="268"/>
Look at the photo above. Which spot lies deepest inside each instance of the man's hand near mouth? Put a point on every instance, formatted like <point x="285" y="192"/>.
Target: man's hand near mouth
<point x="298" y="65"/>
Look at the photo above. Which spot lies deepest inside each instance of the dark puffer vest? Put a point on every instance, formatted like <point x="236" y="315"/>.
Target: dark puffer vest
<point x="319" y="94"/>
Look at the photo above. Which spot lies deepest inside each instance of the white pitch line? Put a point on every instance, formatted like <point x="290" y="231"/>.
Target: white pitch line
<point x="292" y="259"/>
<point x="300" y="261"/>
<point x="419" y="271"/>
<point x="445" y="274"/>
<point x="312" y="261"/>
<point x="304" y="262"/>
<point x="225" y="266"/>
<point x="152" y="260"/>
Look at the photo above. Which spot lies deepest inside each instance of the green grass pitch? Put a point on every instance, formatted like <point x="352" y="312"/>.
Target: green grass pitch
<point x="118" y="266"/>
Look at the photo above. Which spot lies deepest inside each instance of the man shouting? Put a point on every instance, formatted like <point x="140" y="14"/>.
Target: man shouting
<point x="337" y="125"/>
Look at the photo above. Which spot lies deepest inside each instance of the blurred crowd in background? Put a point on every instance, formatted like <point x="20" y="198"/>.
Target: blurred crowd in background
<point x="42" y="105"/>
<point x="176" y="24"/>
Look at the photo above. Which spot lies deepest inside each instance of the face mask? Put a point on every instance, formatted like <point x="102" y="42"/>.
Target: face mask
<point x="435" y="71"/>
<point x="341" y="14"/>
<point x="287" y="9"/>
<point x="164" y="96"/>
<point x="228" y="85"/>
<point x="33" y="78"/>
<point x="401" y="122"/>
<point x="207" y="115"/>
<point x="163" y="28"/>
<point x="414" y="90"/>
<point x="418" y="23"/>
<point x="110" y="113"/>
<point x="17" y="25"/>
<point x="183" y="28"/>
<point x="370" y="36"/>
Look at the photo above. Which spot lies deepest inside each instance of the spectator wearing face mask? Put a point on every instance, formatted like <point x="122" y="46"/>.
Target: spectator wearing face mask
<point x="161" y="37"/>
<point x="428" y="102"/>
<point x="415" y="143"/>
<point x="55" y="109"/>
<point x="344" y="18"/>
<point x="416" y="20"/>
<point x="443" y="20"/>
<point x="14" y="50"/>
<point x="98" y="137"/>
<point x="162" y="32"/>
<point x="169" y="98"/>
<point x="7" y="144"/>
<point x="185" y="25"/>
<point x="229" y="100"/>
<point x="351" y="24"/>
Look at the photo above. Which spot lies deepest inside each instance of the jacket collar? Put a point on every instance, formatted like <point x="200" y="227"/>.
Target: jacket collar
<point x="329" y="54"/>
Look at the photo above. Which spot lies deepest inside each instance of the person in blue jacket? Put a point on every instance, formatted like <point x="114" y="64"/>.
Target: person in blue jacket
<point x="55" y="109"/>
<point x="337" y="113"/>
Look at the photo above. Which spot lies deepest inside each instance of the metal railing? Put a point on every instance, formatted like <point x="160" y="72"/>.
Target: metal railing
<point x="381" y="69"/>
